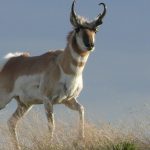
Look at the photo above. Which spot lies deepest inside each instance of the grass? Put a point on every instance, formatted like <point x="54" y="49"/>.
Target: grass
<point x="34" y="135"/>
<point x="125" y="146"/>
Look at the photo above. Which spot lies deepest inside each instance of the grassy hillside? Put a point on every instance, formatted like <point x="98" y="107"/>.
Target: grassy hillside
<point x="33" y="135"/>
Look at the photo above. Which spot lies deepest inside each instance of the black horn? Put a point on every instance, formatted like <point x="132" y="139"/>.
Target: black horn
<point x="78" y="21"/>
<point x="99" y="21"/>
<point x="73" y="16"/>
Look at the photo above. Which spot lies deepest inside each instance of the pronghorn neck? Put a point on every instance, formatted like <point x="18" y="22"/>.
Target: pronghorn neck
<point x="73" y="59"/>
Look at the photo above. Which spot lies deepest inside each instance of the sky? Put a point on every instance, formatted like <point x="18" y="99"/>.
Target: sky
<point x="117" y="74"/>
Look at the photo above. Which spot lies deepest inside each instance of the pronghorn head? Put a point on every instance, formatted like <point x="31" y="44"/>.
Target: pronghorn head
<point x="85" y="30"/>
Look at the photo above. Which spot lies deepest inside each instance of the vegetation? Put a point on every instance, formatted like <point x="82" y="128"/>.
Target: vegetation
<point x="34" y="135"/>
<point x="125" y="146"/>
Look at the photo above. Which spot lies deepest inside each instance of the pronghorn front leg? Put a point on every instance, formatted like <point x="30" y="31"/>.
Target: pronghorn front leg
<point x="12" y="122"/>
<point x="74" y="105"/>
<point x="50" y="116"/>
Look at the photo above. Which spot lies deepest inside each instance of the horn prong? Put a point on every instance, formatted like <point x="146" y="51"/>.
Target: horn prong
<point x="98" y="21"/>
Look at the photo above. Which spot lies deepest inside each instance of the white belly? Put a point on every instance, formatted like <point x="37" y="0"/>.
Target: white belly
<point x="27" y="88"/>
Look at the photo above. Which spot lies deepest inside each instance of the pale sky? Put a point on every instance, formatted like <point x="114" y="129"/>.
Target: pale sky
<point x="117" y="75"/>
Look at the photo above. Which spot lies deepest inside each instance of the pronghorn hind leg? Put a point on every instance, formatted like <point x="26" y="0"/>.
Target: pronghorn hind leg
<point x="74" y="105"/>
<point x="12" y="122"/>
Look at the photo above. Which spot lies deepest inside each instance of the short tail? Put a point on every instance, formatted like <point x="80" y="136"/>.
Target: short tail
<point x="10" y="55"/>
<point x="16" y="54"/>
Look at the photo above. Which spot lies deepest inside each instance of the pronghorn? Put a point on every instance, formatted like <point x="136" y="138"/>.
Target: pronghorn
<point x="52" y="78"/>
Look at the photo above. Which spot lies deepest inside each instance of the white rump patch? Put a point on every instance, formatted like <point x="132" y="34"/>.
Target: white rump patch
<point x="10" y="55"/>
<point x="16" y="54"/>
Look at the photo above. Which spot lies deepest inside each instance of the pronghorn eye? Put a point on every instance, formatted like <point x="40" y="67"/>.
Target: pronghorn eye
<point x="77" y="30"/>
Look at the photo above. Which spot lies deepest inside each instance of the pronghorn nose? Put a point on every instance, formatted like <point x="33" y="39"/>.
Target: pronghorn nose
<point x="90" y="45"/>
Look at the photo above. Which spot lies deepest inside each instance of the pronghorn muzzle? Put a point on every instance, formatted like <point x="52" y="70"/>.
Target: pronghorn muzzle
<point x="80" y="22"/>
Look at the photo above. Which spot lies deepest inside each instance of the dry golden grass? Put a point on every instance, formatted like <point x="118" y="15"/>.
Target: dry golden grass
<point x="34" y="135"/>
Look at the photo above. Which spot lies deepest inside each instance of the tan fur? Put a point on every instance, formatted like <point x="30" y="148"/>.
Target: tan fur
<point x="65" y="63"/>
<point x="52" y="78"/>
<point x="24" y="65"/>
<point x="72" y="40"/>
<point x="61" y="82"/>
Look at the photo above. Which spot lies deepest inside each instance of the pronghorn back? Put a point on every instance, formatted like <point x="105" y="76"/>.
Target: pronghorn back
<point x="25" y="65"/>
